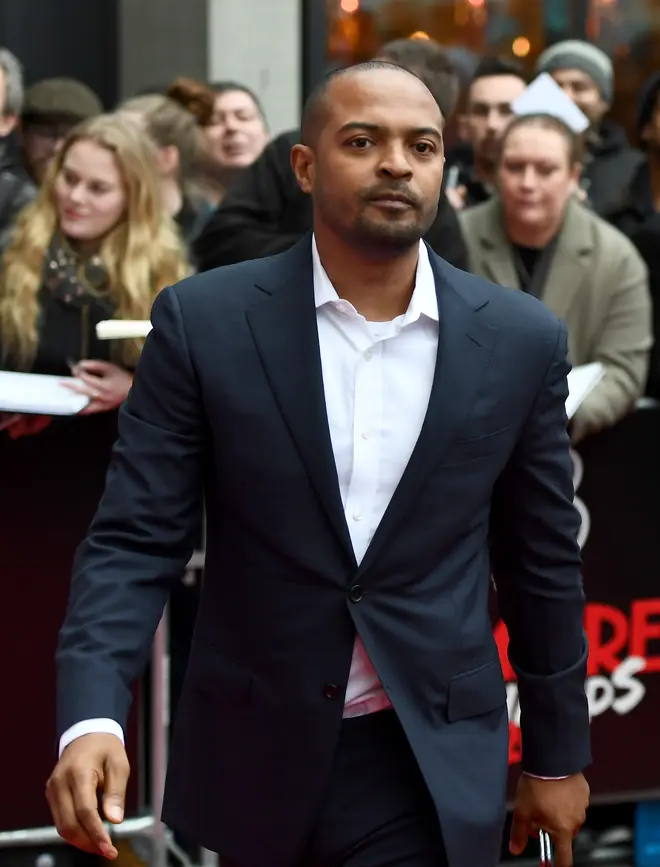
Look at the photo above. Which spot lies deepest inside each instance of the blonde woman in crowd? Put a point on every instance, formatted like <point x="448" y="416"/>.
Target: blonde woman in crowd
<point x="180" y="144"/>
<point x="96" y="244"/>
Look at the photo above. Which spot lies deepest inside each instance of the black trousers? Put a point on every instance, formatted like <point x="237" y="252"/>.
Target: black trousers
<point x="377" y="811"/>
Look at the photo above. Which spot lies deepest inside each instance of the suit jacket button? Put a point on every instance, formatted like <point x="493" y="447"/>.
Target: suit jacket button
<point x="355" y="593"/>
<point x="331" y="691"/>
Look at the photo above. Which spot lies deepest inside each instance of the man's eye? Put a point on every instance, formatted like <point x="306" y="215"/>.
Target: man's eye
<point x="359" y="143"/>
<point x="424" y="147"/>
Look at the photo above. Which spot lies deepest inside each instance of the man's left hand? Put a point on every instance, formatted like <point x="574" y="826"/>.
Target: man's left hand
<point x="556" y="806"/>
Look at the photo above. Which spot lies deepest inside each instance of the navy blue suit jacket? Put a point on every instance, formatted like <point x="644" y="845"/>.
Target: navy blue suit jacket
<point x="228" y="406"/>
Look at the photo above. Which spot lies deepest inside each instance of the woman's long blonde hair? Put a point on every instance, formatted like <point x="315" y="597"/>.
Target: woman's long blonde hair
<point x="142" y="254"/>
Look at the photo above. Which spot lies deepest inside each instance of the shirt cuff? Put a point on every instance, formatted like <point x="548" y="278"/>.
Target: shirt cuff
<point x="91" y="727"/>
<point x="536" y="777"/>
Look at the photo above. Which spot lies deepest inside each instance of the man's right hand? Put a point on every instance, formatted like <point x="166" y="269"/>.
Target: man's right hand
<point x="90" y="763"/>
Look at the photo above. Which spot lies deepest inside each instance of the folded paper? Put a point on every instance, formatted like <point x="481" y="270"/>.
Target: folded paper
<point x="39" y="394"/>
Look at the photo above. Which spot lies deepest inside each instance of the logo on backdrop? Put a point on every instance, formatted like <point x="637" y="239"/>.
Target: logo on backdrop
<point x="619" y="648"/>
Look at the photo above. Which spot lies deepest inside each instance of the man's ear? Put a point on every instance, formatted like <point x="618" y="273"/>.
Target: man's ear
<point x="302" y="163"/>
<point x="8" y="123"/>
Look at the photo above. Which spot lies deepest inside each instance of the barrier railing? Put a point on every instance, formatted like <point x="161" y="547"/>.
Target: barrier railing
<point x="161" y="841"/>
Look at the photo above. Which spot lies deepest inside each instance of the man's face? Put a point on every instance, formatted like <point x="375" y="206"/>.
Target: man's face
<point x="7" y="121"/>
<point x="237" y="132"/>
<point x="375" y="169"/>
<point x="489" y="112"/>
<point x="42" y="139"/>
<point x="583" y="91"/>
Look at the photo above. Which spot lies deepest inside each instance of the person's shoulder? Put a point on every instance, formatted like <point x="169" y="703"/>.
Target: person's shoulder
<point x="616" y="248"/>
<point x="477" y="215"/>
<point x="525" y="321"/>
<point x="231" y="285"/>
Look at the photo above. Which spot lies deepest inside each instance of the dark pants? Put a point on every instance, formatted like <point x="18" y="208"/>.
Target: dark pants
<point x="377" y="811"/>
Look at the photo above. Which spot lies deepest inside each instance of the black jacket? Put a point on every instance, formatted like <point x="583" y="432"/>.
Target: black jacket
<point x="16" y="191"/>
<point x="266" y="212"/>
<point x="609" y="169"/>
<point x="647" y="240"/>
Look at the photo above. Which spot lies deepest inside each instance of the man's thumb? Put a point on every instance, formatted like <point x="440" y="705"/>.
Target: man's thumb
<point x="114" y="792"/>
<point x="519" y="836"/>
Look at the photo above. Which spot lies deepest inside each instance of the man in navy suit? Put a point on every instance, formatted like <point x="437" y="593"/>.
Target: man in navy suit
<point x="373" y="432"/>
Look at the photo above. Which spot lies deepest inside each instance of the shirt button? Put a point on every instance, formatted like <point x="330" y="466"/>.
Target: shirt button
<point x="368" y="354"/>
<point x="356" y="593"/>
<point x="365" y="435"/>
<point x="357" y="516"/>
<point x="331" y="691"/>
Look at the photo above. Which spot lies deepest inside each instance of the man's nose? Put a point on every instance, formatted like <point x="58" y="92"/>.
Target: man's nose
<point x="395" y="164"/>
<point x="496" y="122"/>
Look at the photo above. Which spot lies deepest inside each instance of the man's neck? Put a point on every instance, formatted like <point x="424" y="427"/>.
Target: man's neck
<point x="534" y="237"/>
<point x="378" y="286"/>
<point x="484" y="171"/>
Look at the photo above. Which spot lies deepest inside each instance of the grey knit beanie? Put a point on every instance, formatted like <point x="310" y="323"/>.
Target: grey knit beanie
<point x="576" y="54"/>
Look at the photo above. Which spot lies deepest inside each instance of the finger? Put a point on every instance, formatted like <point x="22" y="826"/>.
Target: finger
<point x="92" y="407"/>
<point x="87" y="813"/>
<point x="60" y="801"/>
<point x="78" y="387"/>
<point x="100" y="368"/>
<point x="114" y="789"/>
<point x="95" y="382"/>
<point x="521" y="830"/>
<point x="563" y="850"/>
<point x="83" y="387"/>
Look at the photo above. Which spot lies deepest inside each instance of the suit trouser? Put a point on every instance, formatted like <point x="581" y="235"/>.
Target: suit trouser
<point x="377" y="811"/>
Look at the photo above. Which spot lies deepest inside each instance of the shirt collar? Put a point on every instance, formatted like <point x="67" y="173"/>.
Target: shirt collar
<point x="424" y="301"/>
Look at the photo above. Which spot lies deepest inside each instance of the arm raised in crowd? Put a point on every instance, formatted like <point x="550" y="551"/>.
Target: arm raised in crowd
<point x="264" y="212"/>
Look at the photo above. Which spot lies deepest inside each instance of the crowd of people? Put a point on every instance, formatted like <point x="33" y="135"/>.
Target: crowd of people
<point x="100" y="211"/>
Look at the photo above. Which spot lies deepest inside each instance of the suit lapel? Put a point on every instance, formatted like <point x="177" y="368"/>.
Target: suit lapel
<point x="570" y="262"/>
<point x="493" y="248"/>
<point x="465" y="344"/>
<point x="283" y="326"/>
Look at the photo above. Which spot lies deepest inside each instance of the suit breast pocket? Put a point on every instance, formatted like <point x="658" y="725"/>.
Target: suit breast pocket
<point x="469" y="449"/>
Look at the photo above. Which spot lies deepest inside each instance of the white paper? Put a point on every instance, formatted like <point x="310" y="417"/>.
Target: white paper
<point x="545" y="96"/>
<point x="122" y="329"/>
<point x="581" y="381"/>
<point x="38" y="394"/>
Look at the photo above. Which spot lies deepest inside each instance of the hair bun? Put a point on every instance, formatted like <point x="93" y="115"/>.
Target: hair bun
<point x="195" y="97"/>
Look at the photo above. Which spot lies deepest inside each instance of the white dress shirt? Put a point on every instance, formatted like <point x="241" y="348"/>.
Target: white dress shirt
<point x="377" y="378"/>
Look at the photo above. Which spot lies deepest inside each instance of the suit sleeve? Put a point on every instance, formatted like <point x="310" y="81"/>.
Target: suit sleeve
<point x="248" y="223"/>
<point x="143" y="534"/>
<point x="623" y="346"/>
<point x="537" y="569"/>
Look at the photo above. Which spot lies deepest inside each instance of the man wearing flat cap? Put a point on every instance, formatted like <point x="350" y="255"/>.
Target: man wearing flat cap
<point x="586" y="74"/>
<point x="52" y="108"/>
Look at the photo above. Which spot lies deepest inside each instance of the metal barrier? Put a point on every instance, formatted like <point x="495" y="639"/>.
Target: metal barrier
<point x="161" y="840"/>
